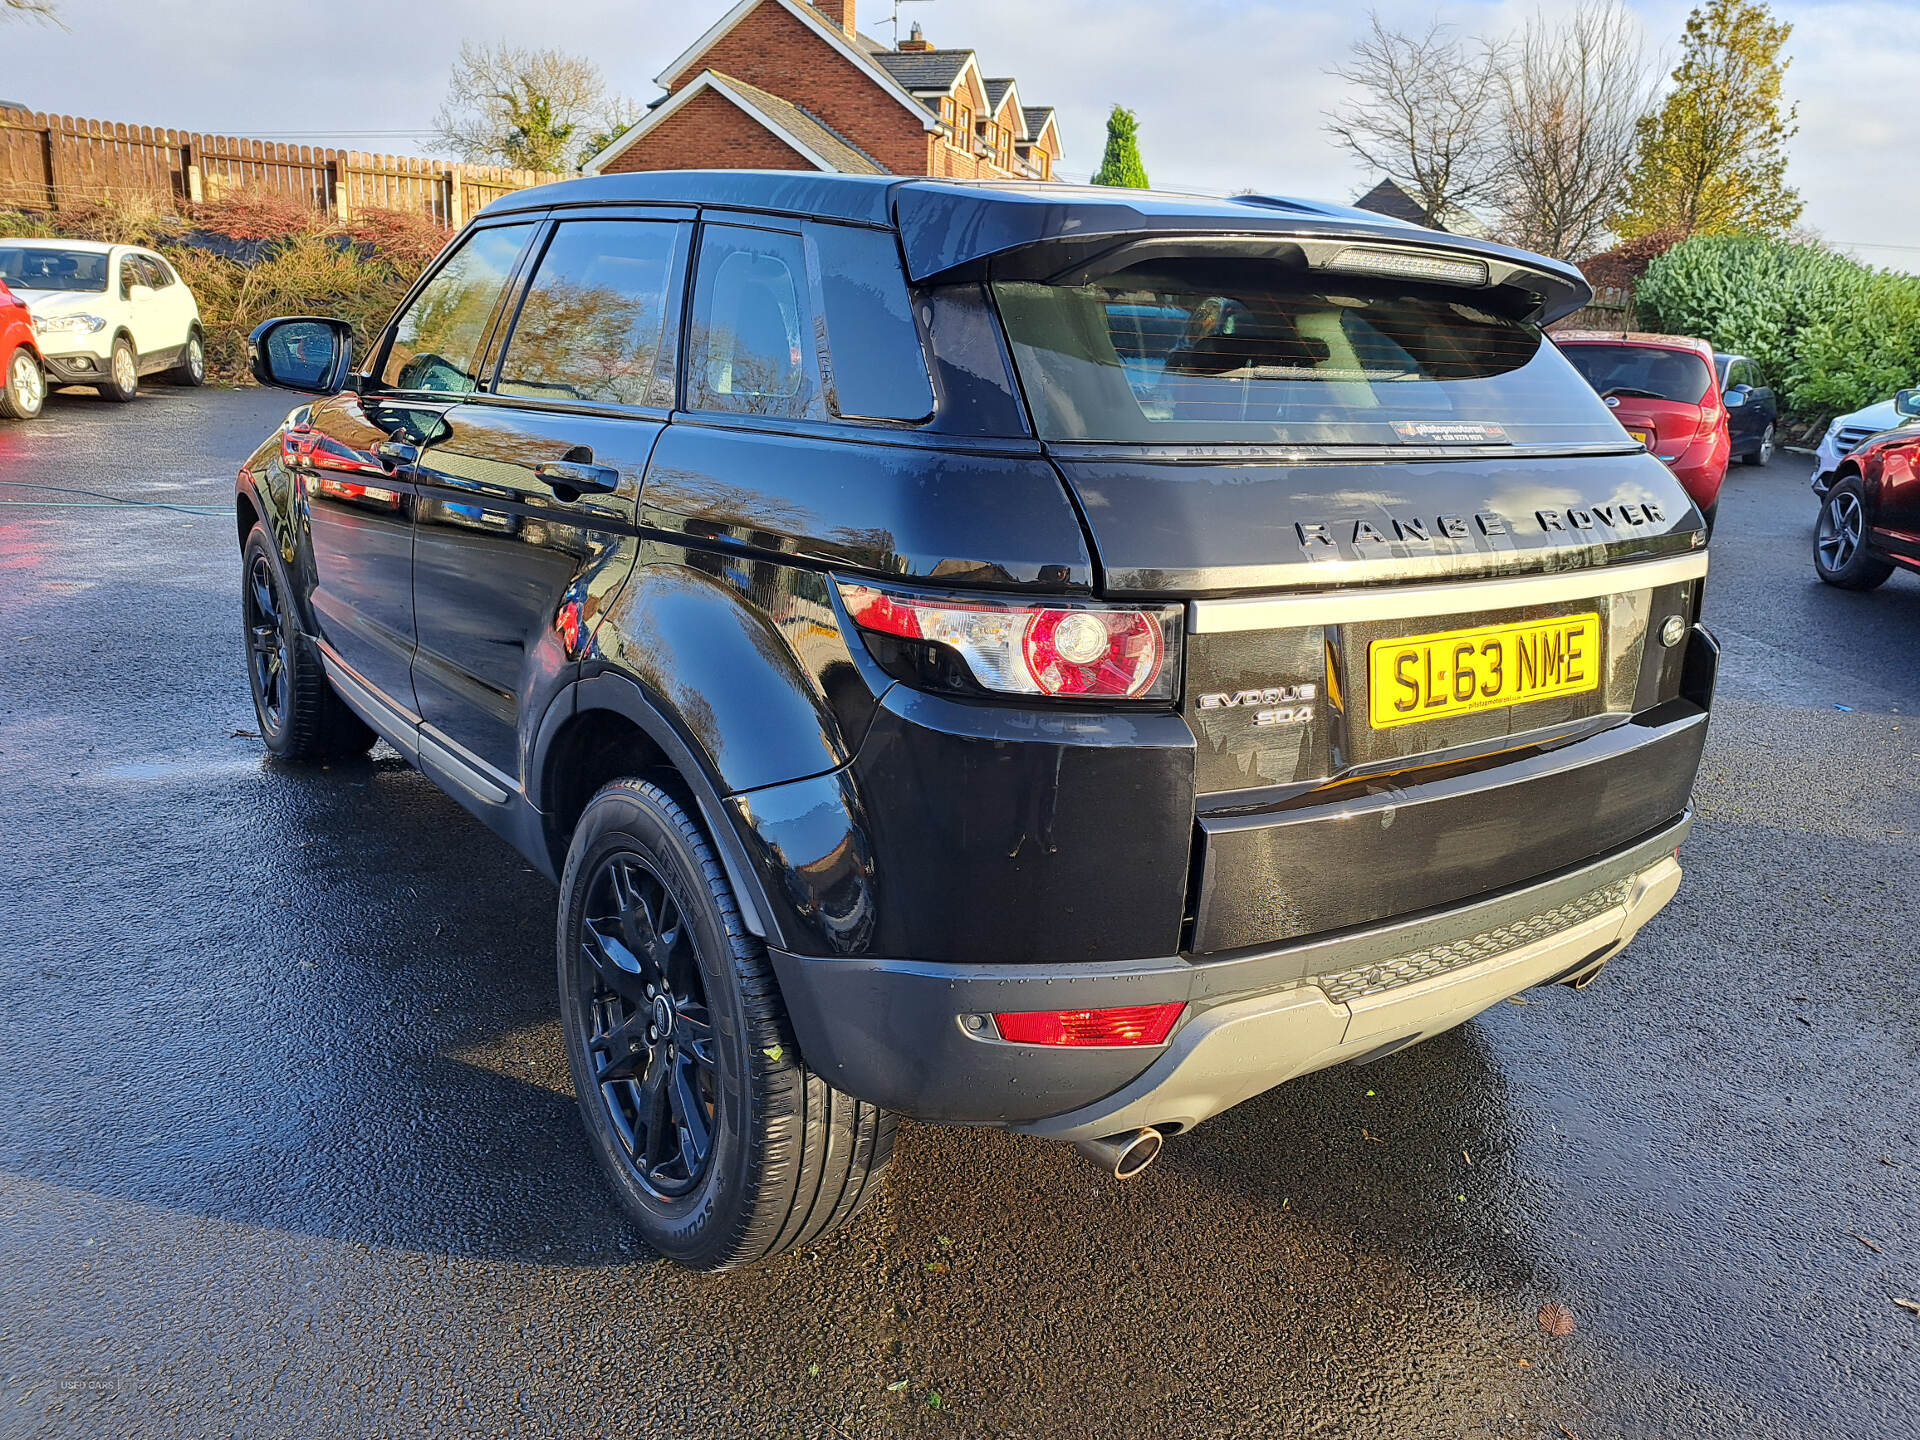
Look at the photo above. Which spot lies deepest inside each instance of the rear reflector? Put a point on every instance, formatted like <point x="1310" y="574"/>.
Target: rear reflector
<point x="1128" y="1025"/>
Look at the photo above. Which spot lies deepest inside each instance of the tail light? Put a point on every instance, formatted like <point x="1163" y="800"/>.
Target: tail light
<point x="1128" y="1025"/>
<point x="1068" y="650"/>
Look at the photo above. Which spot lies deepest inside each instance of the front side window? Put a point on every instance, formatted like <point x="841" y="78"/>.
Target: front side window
<point x="437" y="342"/>
<point x="1643" y="372"/>
<point x="594" y="325"/>
<point x="1211" y="351"/>
<point x="753" y="333"/>
<point x="159" y="275"/>
<point x="35" y="267"/>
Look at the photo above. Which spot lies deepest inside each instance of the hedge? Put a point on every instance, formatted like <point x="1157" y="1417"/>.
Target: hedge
<point x="1831" y="334"/>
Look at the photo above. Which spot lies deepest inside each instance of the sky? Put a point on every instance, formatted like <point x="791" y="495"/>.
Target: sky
<point x="1230" y="93"/>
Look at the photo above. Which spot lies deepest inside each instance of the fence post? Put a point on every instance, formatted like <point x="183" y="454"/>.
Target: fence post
<point x="456" y="198"/>
<point x="338" y="185"/>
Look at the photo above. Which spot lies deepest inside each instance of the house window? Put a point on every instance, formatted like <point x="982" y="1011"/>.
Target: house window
<point x="949" y="113"/>
<point x="1043" y="162"/>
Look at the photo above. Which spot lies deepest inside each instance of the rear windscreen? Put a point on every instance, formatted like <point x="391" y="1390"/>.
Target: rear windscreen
<point x="1230" y="351"/>
<point x="1643" y="372"/>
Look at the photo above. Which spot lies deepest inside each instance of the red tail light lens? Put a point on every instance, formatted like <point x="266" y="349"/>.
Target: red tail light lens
<point x="1069" y="650"/>
<point x="1128" y="1025"/>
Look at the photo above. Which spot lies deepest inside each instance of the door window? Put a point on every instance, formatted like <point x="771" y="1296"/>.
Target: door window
<point x="130" y="276"/>
<point x="753" y="327"/>
<point x="595" y="323"/>
<point x="437" y="342"/>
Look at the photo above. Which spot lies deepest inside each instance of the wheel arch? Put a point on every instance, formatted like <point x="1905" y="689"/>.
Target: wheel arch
<point x="607" y="726"/>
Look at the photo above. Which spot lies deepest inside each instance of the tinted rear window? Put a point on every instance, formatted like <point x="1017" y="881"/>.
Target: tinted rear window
<point x="1643" y="372"/>
<point x="1212" y="351"/>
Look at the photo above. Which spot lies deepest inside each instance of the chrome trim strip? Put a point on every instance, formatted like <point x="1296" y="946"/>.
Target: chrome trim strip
<point x="462" y="767"/>
<point x="391" y="722"/>
<point x="1415" y="602"/>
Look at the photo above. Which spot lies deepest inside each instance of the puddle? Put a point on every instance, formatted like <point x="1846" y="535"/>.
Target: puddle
<point x="147" y="770"/>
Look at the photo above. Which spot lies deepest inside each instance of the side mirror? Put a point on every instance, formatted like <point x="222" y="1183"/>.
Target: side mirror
<point x="1907" y="402"/>
<point x="302" y="352"/>
<point x="1735" y="397"/>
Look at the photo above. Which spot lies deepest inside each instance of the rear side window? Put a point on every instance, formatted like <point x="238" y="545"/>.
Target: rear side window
<point x="1211" y="351"/>
<point x="153" y="273"/>
<point x="436" y="344"/>
<point x="595" y="323"/>
<point x="1645" y="372"/>
<point x="878" y="368"/>
<point x="806" y="327"/>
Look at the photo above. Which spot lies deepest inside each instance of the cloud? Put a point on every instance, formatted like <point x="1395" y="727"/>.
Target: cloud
<point x="1230" y="92"/>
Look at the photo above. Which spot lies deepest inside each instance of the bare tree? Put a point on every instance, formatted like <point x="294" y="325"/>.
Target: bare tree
<point x="538" y="109"/>
<point x="1424" y="114"/>
<point x="1571" y="97"/>
<point x="32" y="9"/>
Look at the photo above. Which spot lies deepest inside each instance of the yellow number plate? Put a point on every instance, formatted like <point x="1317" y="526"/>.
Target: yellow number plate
<point x="1456" y="672"/>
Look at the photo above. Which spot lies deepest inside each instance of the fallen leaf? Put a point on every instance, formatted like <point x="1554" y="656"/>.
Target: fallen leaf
<point x="1524" y="1364"/>
<point x="1556" y="1319"/>
<point x="1366" y="1134"/>
<point x="937" y="1267"/>
<point x="1913" y="1305"/>
<point x="1568" y="1433"/>
<point x="774" y="1053"/>
<point x="1869" y="1244"/>
<point x="245" y="735"/>
<point x="896" y="1387"/>
<point x="813" y="1370"/>
<point x="946" y="1242"/>
<point x="933" y="1400"/>
<point x="1518" y="1000"/>
<point x="1466" y="1157"/>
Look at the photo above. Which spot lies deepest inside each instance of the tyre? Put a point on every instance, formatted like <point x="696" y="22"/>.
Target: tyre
<point x="23" y="385"/>
<point x="300" y="716"/>
<point x="192" y="369"/>
<point x="123" y="373"/>
<point x="723" y="1148"/>
<point x="1840" y="554"/>
<point x="1761" y="454"/>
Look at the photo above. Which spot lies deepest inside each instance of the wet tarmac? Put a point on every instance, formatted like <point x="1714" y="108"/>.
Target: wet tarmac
<point x="287" y="1148"/>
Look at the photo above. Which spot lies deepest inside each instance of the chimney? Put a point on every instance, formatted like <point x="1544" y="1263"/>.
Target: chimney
<point x="840" y="12"/>
<point x="916" y="41"/>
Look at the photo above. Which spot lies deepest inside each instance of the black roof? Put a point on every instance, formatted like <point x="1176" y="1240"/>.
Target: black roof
<point x="947" y="226"/>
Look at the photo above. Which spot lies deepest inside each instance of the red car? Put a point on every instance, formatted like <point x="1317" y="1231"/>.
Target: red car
<point x="1870" y="515"/>
<point x="1665" y="390"/>
<point x="23" y="380"/>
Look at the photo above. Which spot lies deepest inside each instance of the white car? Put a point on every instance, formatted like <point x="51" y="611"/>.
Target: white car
<point x="1849" y="433"/>
<point x="106" y="315"/>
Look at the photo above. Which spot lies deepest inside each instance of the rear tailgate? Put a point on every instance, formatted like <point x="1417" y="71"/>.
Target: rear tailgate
<point x="1321" y="805"/>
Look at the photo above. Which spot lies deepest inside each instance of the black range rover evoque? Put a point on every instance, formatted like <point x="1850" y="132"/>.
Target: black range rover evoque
<point x="1066" y="660"/>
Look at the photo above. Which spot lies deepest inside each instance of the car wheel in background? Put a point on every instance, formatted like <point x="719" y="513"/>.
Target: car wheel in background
<point x="1762" y="454"/>
<point x="23" y="386"/>
<point x="300" y="716"/>
<point x="1840" y="555"/>
<point x="123" y="373"/>
<point x="192" y="369"/>
<point x="723" y="1148"/>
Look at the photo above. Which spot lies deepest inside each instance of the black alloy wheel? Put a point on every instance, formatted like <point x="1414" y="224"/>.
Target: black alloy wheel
<point x="266" y="646"/>
<point x="300" y="716"/>
<point x="650" y="1032"/>
<point x="722" y="1147"/>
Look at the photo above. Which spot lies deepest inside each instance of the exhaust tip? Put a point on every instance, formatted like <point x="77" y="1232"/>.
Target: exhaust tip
<point x="1126" y="1155"/>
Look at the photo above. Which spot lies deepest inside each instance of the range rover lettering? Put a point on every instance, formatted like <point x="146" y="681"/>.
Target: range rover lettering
<point x="936" y="693"/>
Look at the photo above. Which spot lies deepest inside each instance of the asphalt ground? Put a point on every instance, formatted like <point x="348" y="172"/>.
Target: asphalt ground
<point x="287" y="1146"/>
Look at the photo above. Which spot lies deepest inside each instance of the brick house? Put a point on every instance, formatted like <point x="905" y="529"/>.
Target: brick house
<point x="788" y="85"/>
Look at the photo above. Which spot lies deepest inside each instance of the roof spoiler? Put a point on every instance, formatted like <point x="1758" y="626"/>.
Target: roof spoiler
<point x="947" y="232"/>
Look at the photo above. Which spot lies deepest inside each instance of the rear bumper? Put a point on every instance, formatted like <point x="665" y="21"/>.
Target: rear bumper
<point x="896" y="1033"/>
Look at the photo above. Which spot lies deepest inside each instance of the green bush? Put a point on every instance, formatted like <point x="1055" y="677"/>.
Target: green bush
<point x="1830" y="333"/>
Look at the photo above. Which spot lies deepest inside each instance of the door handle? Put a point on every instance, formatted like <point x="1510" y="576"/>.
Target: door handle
<point x="564" y="476"/>
<point x="395" y="453"/>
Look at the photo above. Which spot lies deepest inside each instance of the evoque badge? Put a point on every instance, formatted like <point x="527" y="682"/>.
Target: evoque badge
<point x="1276" y="705"/>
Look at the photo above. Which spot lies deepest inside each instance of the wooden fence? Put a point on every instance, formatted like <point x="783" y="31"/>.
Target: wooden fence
<point x="53" y="162"/>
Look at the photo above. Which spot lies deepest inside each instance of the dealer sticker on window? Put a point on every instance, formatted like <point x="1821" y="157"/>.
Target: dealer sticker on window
<point x="1451" y="432"/>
